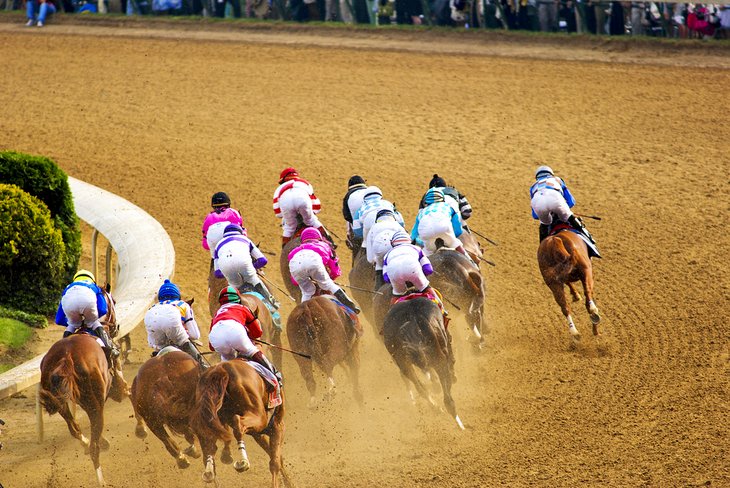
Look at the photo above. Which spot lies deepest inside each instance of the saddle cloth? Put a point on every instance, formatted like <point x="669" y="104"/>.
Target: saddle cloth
<point x="354" y="319"/>
<point x="432" y="294"/>
<point x="592" y="249"/>
<point x="275" y="398"/>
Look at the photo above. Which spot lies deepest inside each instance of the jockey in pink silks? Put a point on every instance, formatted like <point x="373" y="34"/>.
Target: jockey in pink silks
<point x="216" y="221"/>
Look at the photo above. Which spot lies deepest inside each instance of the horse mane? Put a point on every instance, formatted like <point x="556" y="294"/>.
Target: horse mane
<point x="209" y="400"/>
<point x="63" y="386"/>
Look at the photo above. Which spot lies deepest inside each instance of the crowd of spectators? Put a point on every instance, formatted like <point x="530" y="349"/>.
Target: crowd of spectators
<point x="678" y="20"/>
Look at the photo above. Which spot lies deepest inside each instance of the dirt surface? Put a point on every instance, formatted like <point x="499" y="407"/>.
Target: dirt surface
<point x="165" y="117"/>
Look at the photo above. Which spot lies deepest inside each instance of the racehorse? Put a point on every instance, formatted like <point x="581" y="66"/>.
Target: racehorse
<point x="362" y="278"/>
<point x="415" y="337"/>
<point x="163" y="394"/>
<point x="321" y="328"/>
<point x="461" y="285"/>
<point x="230" y="401"/>
<point x="471" y="246"/>
<point x="76" y="370"/>
<point x="564" y="260"/>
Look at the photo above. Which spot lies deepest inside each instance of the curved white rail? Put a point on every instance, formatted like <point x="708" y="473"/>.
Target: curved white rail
<point x="145" y="256"/>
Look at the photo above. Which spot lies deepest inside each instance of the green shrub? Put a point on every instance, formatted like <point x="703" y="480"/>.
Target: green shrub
<point x="32" y="319"/>
<point x="42" y="178"/>
<point x="31" y="253"/>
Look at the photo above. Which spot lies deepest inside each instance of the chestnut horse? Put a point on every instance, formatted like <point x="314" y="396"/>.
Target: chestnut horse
<point x="76" y="370"/>
<point x="321" y="328"/>
<point x="415" y="337"/>
<point x="563" y="260"/>
<point x="163" y="395"/>
<point x="230" y="402"/>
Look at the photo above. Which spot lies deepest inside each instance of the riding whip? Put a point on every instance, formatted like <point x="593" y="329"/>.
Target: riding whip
<point x="363" y="289"/>
<point x="284" y="349"/>
<point x="262" y="275"/>
<point x="471" y="229"/>
<point x="594" y="217"/>
<point x="487" y="261"/>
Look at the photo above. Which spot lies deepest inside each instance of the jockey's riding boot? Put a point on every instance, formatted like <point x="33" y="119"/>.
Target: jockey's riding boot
<point x="544" y="231"/>
<point x="285" y="240"/>
<point x="66" y="333"/>
<point x="379" y="280"/>
<point x="578" y="225"/>
<point x="264" y="361"/>
<point x="342" y="296"/>
<point x="263" y="291"/>
<point x="327" y="236"/>
<point x="108" y="344"/>
<point x="190" y="348"/>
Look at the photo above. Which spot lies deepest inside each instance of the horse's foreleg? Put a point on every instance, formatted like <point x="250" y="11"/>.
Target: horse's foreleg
<point x="558" y="290"/>
<point x="590" y="305"/>
<point x="208" y="447"/>
<point x="191" y="450"/>
<point x="574" y="292"/>
<point x="140" y="430"/>
<point x="244" y="464"/>
<point x="158" y="428"/>
<point x="305" y="368"/>
<point x="276" y="462"/>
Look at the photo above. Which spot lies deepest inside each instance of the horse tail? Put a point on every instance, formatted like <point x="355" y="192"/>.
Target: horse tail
<point x="211" y="392"/>
<point x="63" y="386"/>
<point x="560" y="253"/>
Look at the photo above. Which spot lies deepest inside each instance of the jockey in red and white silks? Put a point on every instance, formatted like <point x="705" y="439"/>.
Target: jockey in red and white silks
<point x="295" y="196"/>
<point x="406" y="262"/>
<point x="217" y="220"/>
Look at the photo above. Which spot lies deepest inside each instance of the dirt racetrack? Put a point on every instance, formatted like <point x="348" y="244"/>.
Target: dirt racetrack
<point x="166" y="120"/>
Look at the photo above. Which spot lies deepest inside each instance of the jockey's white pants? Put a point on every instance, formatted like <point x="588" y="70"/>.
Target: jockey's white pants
<point x="235" y="263"/>
<point x="547" y="202"/>
<point x="307" y="269"/>
<point x="435" y="226"/>
<point x="214" y="235"/>
<point x="164" y="326"/>
<point x="378" y="243"/>
<point x="293" y="202"/>
<point x="368" y="220"/>
<point x="229" y="338"/>
<point x="405" y="268"/>
<point x="79" y="305"/>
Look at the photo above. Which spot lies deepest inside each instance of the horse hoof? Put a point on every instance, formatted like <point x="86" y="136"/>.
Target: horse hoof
<point x="104" y="444"/>
<point x="182" y="462"/>
<point x="226" y="457"/>
<point x="242" y="466"/>
<point x="192" y="452"/>
<point x="208" y="477"/>
<point x="595" y="318"/>
<point x="140" y="431"/>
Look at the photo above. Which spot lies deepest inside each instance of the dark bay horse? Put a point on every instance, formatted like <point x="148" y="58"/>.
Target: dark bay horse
<point x="461" y="284"/>
<point x="230" y="402"/>
<point x="163" y="395"/>
<point x="563" y="260"/>
<point x="362" y="275"/>
<point x="415" y="337"/>
<point x="76" y="370"/>
<point x="321" y="329"/>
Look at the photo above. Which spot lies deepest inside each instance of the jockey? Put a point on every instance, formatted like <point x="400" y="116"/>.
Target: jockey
<point x="233" y="330"/>
<point x="83" y="304"/>
<point x="406" y="262"/>
<point x="438" y="220"/>
<point x="313" y="264"/>
<point x="378" y="242"/>
<point x="551" y="197"/>
<point x="456" y="200"/>
<point x="353" y="199"/>
<point x="364" y="218"/>
<point x="237" y="258"/>
<point x="216" y="221"/>
<point x="170" y="322"/>
<point x="295" y="197"/>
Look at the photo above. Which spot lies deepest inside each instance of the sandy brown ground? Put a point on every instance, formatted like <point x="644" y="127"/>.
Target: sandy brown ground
<point x="165" y="121"/>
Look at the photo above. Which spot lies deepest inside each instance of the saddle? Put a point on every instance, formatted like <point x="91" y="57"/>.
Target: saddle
<point x="563" y="226"/>
<point x="432" y="294"/>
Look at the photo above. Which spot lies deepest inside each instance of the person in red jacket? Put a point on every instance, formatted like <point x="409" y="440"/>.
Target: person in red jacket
<point x="233" y="330"/>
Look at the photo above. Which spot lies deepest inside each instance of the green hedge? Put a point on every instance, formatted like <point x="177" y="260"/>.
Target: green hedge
<point x="31" y="253"/>
<point x="42" y="178"/>
<point x="32" y="319"/>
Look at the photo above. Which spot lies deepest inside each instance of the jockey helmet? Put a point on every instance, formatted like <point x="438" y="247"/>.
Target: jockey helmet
<point x="384" y="213"/>
<point x="220" y="199"/>
<point x="355" y="180"/>
<point x="84" y="274"/>
<point x="433" y="196"/>
<point x="310" y="234"/>
<point x="286" y="174"/>
<point x="437" y="181"/>
<point x="373" y="190"/>
<point x="168" y="291"/>
<point x="399" y="238"/>
<point x="544" y="171"/>
<point x="232" y="229"/>
<point x="229" y="295"/>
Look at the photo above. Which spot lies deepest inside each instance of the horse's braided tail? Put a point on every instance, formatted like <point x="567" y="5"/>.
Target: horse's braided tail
<point x="211" y="392"/>
<point x="63" y="386"/>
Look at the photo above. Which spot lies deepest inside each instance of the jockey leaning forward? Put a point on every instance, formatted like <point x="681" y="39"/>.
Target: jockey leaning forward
<point x="364" y="218"/>
<point x="456" y="200"/>
<point x="353" y="200"/>
<point x="438" y="220"/>
<point x="379" y="241"/>
<point x="217" y="220"/>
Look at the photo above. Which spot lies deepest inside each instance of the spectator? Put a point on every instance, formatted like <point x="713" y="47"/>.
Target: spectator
<point x="220" y="8"/>
<point x="724" y="15"/>
<point x="617" y="22"/>
<point x="638" y="18"/>
<point x="44" y="7"/>
<point x="547" y="13"/>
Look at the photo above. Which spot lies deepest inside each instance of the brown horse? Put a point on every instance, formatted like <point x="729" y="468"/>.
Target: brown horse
<point x="415" y="337"/>
<point x="163" y="394"/>
<point x="321" y="329"/>
<point x="75" y="370"/>
<point x="563" y="260"/>
<point x="462" y="286"/>
<point x="362" y="277"/>
<point x="230" y="402"/>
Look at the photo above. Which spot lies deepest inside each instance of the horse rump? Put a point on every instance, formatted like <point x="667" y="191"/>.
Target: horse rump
<point x="209" y="397"/>
<point x="60" y="386"/>
<point x="412" y="334"/>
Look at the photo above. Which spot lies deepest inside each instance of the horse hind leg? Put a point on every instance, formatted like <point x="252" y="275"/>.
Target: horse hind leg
<point x="444" y="373"/>
<point x="305" y="368"/>
<point x="353" y="366"/>
<point x="73" y="426"/>
<point x="96" y="419"/>
<point x="243" y="464"/>
<point x="559" y="295"/>
<point x="158" y="428"/>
